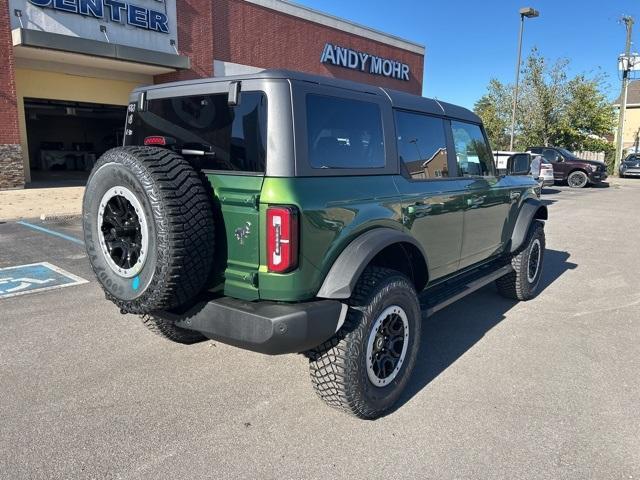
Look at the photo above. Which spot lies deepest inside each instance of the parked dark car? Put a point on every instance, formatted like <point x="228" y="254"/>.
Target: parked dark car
<point x="630" y="166"/>
<point x="577" y="172"/>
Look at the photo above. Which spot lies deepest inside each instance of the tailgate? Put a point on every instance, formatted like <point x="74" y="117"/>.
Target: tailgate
<point x="236" y="200"/>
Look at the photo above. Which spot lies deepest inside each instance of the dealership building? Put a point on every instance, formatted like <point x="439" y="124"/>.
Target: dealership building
<point x="69" y="65"/>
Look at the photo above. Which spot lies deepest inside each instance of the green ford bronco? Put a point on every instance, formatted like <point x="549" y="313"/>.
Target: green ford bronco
<point x="288" y="213"/>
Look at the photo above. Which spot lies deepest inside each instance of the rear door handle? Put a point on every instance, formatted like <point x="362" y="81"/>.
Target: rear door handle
<point x="419" y="209"/>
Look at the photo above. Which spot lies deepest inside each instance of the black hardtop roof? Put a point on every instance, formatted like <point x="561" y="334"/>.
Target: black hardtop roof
<point x="402" y="100"/>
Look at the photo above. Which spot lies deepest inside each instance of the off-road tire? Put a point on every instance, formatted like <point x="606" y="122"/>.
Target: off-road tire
<point x="578" y="179"/>
<point x="517" y="285"/>
<point x="167" y="328"/>
<point x="179" y="215"/>
<point x="338" y="367"/>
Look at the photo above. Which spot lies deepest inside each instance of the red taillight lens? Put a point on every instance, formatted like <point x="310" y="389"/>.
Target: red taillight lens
<point x="155" y="140"/>
<point x="282" y="239"/>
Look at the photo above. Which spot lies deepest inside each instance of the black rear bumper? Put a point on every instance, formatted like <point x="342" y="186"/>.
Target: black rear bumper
<point x="266" y="327"/>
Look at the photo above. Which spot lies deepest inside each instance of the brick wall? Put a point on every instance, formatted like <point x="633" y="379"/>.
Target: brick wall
<point x="195" y="40"/>
<point x="248" y="34"/>
<point x="241" y="32"/>
<point x="11" y="166"/>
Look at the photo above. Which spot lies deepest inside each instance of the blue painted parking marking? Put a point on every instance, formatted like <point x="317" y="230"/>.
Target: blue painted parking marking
<point x="35" y="277"/>
<point x="50" y="232"/>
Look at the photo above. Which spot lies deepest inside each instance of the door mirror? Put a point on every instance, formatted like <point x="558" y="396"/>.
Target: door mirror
<point x="519" y="164"/>
<point x="559" y="158"/>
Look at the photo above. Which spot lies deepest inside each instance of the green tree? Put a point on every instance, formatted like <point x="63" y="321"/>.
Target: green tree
<point x="494" y="109"/>
<point x="590" y="117"/>
<point x="553" y="109"/>
<point x="542" y="102"/>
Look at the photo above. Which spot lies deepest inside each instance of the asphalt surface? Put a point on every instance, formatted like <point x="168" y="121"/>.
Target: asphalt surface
<point x="543" y="389"/>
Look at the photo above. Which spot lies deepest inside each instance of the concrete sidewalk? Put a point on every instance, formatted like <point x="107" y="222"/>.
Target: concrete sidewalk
<point x="35" y="202"/>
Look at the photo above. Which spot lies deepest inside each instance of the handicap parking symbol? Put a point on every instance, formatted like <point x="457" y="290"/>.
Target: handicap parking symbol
<point x="35" y="277"/>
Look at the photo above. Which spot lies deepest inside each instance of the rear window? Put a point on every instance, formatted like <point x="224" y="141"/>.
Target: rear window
<point x="344" y="133"/>
<point x="234" y="138"/>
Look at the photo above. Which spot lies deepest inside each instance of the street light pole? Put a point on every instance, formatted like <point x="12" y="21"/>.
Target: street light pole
<point x="628" y="21"/>
<point x="529" y="13"/>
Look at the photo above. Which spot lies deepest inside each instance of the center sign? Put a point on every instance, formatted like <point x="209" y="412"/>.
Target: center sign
<point x="364" y="62"/>
<point x="115" y="10"/>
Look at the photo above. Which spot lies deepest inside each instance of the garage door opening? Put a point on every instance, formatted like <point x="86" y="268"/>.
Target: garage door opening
<point x="66" y="138"/>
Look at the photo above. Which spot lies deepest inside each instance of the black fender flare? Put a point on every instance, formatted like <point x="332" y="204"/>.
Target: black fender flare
<point x="532" y="209"/>
<point x="347" y="268"/>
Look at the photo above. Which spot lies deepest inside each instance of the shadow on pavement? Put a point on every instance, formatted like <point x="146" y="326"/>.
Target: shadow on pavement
<point x="550" y="191"/>
<point x="448" y="334"/>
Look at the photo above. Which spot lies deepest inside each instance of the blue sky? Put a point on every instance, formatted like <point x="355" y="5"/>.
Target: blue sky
<point x="468" y="42"/>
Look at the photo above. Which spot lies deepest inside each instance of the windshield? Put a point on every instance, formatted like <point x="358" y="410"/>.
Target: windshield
<point x="566" y="153"/>
<point x="632" y="158"/>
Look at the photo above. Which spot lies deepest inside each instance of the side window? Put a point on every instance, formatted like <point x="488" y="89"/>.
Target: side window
<point x="550" y="155"/>
<point x="472" y="152"/>
<point x="422" y="145"/>
<point x="344" y="133"/>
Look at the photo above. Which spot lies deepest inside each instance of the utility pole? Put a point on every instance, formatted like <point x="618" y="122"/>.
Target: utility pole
<point x="626" y="68"/>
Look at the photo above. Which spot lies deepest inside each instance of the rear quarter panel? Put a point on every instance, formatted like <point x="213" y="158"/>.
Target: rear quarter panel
<point x="333" y="212"/>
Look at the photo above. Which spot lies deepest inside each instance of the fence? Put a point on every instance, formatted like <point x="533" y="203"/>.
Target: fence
<point x="590" y="155"/>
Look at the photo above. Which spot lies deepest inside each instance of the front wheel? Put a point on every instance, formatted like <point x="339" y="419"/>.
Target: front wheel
<point x="523" y="282"/>
<point x="577" y="179"/>
<point x="364" y="368"/>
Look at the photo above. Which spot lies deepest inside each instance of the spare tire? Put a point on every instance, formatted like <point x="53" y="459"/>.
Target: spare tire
<point x="148" y="228"/>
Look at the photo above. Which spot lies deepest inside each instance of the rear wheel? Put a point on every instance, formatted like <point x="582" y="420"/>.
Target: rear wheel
<point x="577" y="179"/>
<point x="522" y="283"/>
<point x="364" y="368"/>
<point x="148" y="229"/>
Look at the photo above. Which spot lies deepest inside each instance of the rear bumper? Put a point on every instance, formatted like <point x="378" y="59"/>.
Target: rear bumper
<point x="266" y="327"/>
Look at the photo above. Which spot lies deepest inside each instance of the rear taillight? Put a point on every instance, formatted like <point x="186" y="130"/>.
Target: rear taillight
<point x="282" y="238"/>
<point x="155" y="140"/>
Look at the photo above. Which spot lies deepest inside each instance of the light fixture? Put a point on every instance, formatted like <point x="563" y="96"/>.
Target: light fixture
<point x="103" y="29"/>
<point x="172" y="42"/>
<point x="525" y="12"/>
<point x="18" y="13"/>
<point x="529" y="12"/>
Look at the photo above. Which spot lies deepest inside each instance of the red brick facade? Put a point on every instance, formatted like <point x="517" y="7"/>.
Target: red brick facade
<point x="195" y="39"/>
<point x="11" y="167"/>
<point x="242" y="32"/>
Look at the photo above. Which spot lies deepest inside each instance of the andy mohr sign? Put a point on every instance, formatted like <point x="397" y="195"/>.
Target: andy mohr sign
<point x="365" y="62"/>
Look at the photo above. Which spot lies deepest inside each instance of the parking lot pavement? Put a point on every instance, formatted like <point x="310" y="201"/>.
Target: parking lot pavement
<point x="543" y="389"/>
